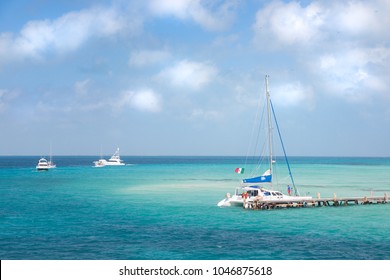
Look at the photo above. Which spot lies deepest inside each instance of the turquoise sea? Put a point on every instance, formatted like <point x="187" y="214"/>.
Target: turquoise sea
<point x="164" y="208"/>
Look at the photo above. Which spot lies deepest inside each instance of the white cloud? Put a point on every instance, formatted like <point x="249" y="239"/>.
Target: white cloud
<point x="179" y="9"/>
<point x="146" y="100"/>
<point x="211" y="17"/>
<point x="189" y="74"/>
<point x="66" y="33"/>
<point x="362" y="18"/>
<point x="288" y="24"/>
<point x="327" y="61"/>
<point x="321" y="22"/>
<point x="293" y="94"/>
<point x="356" y="74"/>
<point x="343" y="44"/>
<point x="148" y="57"/>
<point x="143" y="100"/>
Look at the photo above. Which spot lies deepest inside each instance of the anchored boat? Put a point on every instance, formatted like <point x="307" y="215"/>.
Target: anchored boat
<point x="115" y="160"/>
<point x="260" y="189"/>
<point x="44" y="164"/>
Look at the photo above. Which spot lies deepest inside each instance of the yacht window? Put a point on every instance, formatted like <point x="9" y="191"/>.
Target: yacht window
<point x="267" y="193"/>
<point x="278" y="193"/>
<point x="273" y="194"/>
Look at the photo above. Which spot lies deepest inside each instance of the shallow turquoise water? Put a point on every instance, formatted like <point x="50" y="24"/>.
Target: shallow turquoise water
<point x="165" y="208"/>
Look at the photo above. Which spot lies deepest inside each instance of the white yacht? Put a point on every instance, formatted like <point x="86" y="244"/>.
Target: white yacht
<point x="115" y="160"/>
<point x="44" y="164"/>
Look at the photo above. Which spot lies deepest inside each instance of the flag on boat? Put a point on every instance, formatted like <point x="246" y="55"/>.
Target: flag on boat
<point x="265" y="178"/>
<point x="239" y="170"/>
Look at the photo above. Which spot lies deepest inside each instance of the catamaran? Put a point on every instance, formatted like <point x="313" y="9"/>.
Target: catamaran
<point x="261" y="188"/>
<point x="115" y="160"/>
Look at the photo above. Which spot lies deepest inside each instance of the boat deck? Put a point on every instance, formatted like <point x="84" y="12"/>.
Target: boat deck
<point x="316" y="202"/>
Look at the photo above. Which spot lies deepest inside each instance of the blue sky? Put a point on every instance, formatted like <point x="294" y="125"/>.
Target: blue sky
<point x="184" y="77"/>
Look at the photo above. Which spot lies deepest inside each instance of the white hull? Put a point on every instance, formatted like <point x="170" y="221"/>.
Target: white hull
<point x="44" y="165"/>
<point x="237" y="200"/>
<point x="42" y="168"/>
<point x="261" y="195"/>
<point x="101" y="163"/>
<point x="113" y="161"/>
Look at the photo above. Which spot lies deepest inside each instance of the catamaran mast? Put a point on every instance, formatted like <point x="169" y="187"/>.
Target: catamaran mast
<point x="270" y="140"/>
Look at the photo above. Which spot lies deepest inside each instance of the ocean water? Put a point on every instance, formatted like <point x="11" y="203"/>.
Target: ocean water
<point x="164" y="208"/>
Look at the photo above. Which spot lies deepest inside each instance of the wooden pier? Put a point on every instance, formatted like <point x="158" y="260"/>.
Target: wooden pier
<point x="316" y="202"/>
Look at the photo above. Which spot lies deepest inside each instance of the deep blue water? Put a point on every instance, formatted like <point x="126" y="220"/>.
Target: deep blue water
<point x="165" y="208"/>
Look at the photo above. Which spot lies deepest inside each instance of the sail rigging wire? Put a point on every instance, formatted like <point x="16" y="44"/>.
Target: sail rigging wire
<point x="259" y="160"/>
<point x="254" y="143"/>
<point x="261" y="150"/>
<point x="284" y="150"/>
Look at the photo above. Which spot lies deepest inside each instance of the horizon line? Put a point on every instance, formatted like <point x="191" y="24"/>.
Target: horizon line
<point x="91" y="155"/>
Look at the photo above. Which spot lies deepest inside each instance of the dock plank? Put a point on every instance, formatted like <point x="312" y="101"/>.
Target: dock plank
<point x="316" y="202"/>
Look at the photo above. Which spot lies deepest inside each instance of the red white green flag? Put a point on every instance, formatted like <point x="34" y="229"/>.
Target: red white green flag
<point x="239" y="170"/>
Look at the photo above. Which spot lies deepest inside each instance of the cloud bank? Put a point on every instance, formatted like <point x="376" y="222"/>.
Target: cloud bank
<point x="342" y="45"/>
<point x="210" y="15"/>
<point x="67" y="33"/>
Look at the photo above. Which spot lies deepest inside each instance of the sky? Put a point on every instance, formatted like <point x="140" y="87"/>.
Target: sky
<point x="185" y="77"/>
